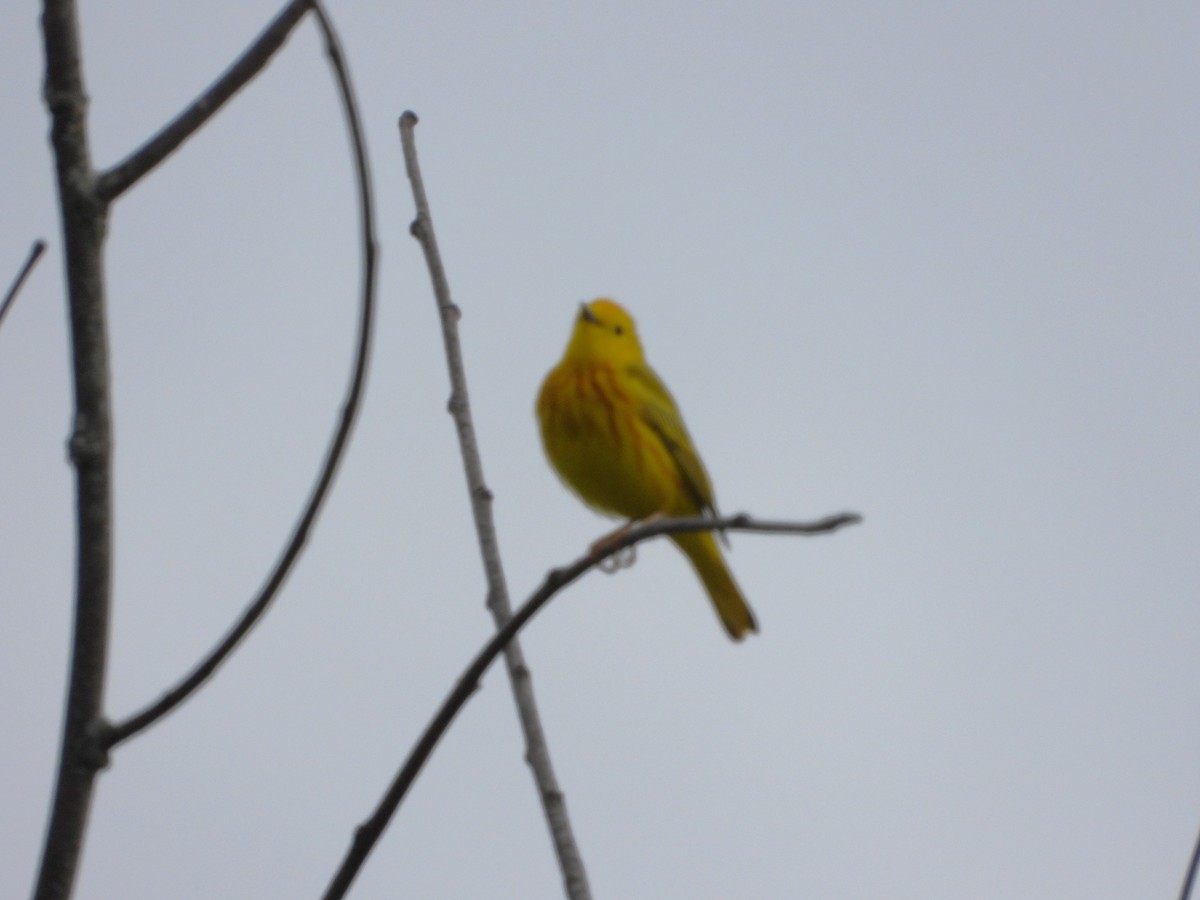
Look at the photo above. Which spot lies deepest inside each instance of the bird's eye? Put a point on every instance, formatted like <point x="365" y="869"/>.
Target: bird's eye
<point x="619" y="330"/>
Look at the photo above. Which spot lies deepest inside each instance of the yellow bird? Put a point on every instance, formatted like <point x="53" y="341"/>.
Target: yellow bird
<point x="614" y="435"/>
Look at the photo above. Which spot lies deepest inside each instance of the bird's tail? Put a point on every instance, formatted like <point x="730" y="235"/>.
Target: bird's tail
<point x="709" y="564"/>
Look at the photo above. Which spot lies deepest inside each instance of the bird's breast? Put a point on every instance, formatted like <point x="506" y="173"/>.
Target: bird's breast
<point x="596" y="440"/>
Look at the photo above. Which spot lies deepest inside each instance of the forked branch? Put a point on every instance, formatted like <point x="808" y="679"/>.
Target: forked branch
<point x="125" y="174"/>
<point x="333" y="457"/>
<point x="84" y="222"/>
<point x="84" y="200"/>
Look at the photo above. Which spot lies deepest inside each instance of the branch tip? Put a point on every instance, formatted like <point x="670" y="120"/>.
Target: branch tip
<point x="557" y="820"/>
<point x="35" y="253"/>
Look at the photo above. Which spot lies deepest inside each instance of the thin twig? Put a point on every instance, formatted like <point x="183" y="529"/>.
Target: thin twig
<point x="369" y="832"/>
<point x="126" y="173"/>
<point x="84" y="222"/>
<point x="118" y="733"/>
<point x="537" y="751"/>
<point x="35" y="253"/>
<point x="1190" y="879"/>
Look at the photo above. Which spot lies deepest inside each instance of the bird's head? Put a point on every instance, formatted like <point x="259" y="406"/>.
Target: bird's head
<point x="604" y="331"/>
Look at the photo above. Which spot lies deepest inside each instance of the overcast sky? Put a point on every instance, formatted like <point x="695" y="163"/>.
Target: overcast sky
<point x="933" y="263"/>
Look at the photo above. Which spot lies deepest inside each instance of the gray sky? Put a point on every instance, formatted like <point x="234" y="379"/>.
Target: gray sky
<point x="933" y="263"/>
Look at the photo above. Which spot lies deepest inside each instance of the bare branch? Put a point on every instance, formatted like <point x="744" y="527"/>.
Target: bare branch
<point x="1190" y="878"/>
<point x="84" y="222"/>
<point x="35" y="253"/>
<point x="121" y="732"/>
<point x="126" y="173"/>
<point x="537" y="751"/>
<point x="368" y="833"/>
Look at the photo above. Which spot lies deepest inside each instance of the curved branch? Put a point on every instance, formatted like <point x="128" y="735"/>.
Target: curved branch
<point x="35" y="253"/>
<point x="123" y="731"/>
<point x="125" y="174"/>
<point x="368" y="833"/>
<point x="537" y="749"/>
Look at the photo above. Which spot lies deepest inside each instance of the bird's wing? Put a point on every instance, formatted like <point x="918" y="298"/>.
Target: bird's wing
<point x="658" y="410"/>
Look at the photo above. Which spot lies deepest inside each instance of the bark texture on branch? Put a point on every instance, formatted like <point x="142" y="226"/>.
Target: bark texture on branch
<point x="84" y="223"/>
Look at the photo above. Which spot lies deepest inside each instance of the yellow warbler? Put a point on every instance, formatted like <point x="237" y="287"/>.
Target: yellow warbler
<point x="614" y="435"/>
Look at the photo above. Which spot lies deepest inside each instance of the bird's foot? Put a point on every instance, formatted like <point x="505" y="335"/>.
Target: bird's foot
<point x="626" y="556"/>
<point x="622" y="559"/>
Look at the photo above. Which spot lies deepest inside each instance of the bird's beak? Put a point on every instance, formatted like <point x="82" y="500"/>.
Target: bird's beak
<point x="586" y="314"/>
